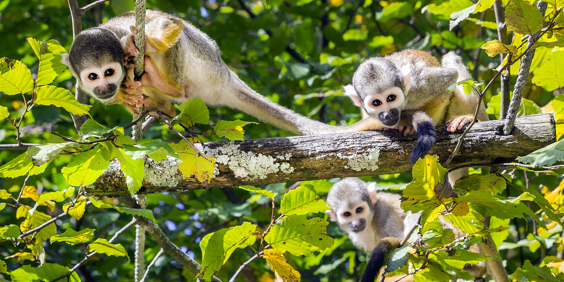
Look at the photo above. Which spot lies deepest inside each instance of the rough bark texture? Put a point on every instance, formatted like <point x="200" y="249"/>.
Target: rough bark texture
<point x="274" y="160"/>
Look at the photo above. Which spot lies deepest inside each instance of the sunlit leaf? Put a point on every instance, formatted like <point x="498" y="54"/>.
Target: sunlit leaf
<point x="194" y="164"/>
<point x="486" y="24"/>
<point x="459" y="16"/>
<point x="103" y="246"/>
<point x="550" y="74"/>
<point x="420" y="193"/>
<point x="149" y="147"/>
<point x="49" y="54"/>
<point x="4" y="112"/>
<point x="299" y="236"/>
<point x="280" y="267"/>
<point x="495" y="47"/>
<point x="193" y="111"/>
<point x="76" y="211"/>
<point x="523" y="17"/>
<point x="218" y="246"/>
<point x="140" y="212"/>
<point x="395" y="10"/>
<point x="134" y="170"/>
<point x="471" y="222"/>
<point x="72" y="237"/>
<point x="232" y="130"/>
<point x="60" y="97"/>
<point x="9" y="231"/>
<point x="30" y="192"/>
<point x="4" y="194"/>
<point x="448" y="7"/>
<point x="92" y="128"/>
<point x="35" y="220"/>
<point x="483" y="5"/>
<point x="22" y="256"/>
<point x="302" y="200"/>
<point x="355" y="34"/>
<point x="17" y="80"/>
<point x="530" y="272"/>
<point x="84" y="168"/>
<point x="17" y="167"/>
<point x="257" y="190"/>
<point x="57" y="196"/>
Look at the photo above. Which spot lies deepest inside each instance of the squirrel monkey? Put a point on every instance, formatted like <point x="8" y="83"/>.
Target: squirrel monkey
<point x="376" y="223"/>
<point x="181" y="63"/>
<point x="411" y="87"/>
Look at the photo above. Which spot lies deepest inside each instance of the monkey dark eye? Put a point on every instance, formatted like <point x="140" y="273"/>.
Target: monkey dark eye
<point x="92" y="76"/>
<point x="346" y="214"/>
<point x="359" y="210"/>
<point x="391" y="98"/>
<point x="376" y="103"/>
<point x="110" y="72"/>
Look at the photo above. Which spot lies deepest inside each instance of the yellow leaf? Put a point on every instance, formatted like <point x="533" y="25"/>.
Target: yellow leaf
<point x="30" y="192"/>
<point x="559" y="265"/>
<point x="336" y="3"/>
<point x="555" y="197"/>
<point x="495" y="47"/>
<point x="77" y="211"/>
<point x="22" y="256"/>
<point x="192" y="164"/>
<point x="266" y="277"/>
<point x="461" y="209"/>
<point x="280" y="267"/>
<point x="22" y="211"/>
<point x="4" y="194"/>
<point x="50" y="204"/>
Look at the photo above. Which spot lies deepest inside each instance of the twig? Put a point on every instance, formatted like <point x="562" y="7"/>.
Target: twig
<point x="21" y="190"/>
<point x="243" y="266"/>
<point x="22" y="146"/>
<point x="409" y="234"/>
<point x="151" y="264"/>
<point x="90" y="6"/>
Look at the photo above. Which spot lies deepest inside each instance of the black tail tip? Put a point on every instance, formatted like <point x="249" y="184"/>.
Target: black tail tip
<point x="426" y="132"/>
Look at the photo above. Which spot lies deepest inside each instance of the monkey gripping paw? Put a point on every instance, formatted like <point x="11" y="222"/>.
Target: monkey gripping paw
<point x="133" y="96"/>
<point x="457" y="123"/>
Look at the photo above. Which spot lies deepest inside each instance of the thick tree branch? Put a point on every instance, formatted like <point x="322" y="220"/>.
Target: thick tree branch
<point x="275" y="160"/>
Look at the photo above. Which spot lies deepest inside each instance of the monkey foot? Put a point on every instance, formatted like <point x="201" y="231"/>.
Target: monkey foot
<point x="457" y="123"/>
<point x="129" y="45"/>
<point x="407" y="130"/>
<point x="133" y="98"/>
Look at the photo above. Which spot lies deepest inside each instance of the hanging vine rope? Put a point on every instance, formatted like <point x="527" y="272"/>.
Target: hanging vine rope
<point x="137" y="132"/>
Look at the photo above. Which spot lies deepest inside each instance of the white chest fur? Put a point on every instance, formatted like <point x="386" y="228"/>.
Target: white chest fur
<point x="365" y="240"/>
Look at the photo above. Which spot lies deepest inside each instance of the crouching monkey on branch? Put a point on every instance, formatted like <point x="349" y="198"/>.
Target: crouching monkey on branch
<point x="375" y="222"/>
<point x="181" y="63"/>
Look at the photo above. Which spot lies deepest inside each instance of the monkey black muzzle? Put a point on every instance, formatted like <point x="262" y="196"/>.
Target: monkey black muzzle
<point x="390" y="118"/>
<point x="357" y="226"/>
<point x="106" y="91"/>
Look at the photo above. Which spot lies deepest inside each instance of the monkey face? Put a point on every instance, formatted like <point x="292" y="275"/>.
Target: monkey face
<point x="355" y="219"/>
<point x="385" y="106"/>
<point x="102" y="82"/>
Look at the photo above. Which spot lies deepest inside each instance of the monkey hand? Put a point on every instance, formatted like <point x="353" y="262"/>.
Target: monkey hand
<point x="133" y="98"/>
<point x="406" y="129"/>
<point x="129" y="48"/>
<point x="458" y="122"/>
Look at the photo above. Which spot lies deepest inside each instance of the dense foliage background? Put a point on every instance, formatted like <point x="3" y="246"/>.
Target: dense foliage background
<point x="299" y="54"/>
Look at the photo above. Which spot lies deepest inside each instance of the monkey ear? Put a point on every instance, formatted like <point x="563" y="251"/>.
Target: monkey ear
<point x="332" y="215"/>
<point x="349" y="91"/>
<point x="406" y="82"/>
<point x="372" y="192"/>
<point x="65" y="61"/>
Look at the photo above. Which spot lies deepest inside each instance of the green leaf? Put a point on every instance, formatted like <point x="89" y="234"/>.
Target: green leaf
<point x="4" y="194"/>
<point x="397" y="259"/>
<point x="476" y="182"/>
<point x="46" y="272"/>
<point x="193" y="111"/>
<point x="530" y="272"/>
<point x="523" y="17"/>
<point x="35" y="220"/>
<point x="17" y="167"/>
<point x="550" y="74"/>
<point x="420" y="193"/>
<point x="140" y="212"/>
<point x="58" y="196"/>
<point x="43" y="153"/>
<point x="495" y="47"/>
<point x="459" y="16"/>
<point x="92" y="128"/>
<point x="4" y="112"/>
<point x="72" y="237"/>
<point x="546" y="156"/>
<point x="448" y="7"/>
<point x="297" y="70"/>
<point x="49" y="54"/>
<point x="217" y="247"/>
<point x="355" y="34"/>
<point x="302" y="200"/>
<point x="459" y="259"/>
<point x="232" y="130"/>
<point x="483" y="5"/>
<point x="395" y="10"/>
<point x="60" y="97"/>
<point x="104" y="247"/>
<point x="469" y="223"/>
<point x="380" y="41"/>
<point x="134" y="170"/>
<point x="268" y="194"/>
<point x="148" y="147"/>
<point x="84" y="168"/>
<point x="299" y="236"/>
<point x="486" y="24"/>
<point x="9" y="231"/>
<point x="17" y="80"/>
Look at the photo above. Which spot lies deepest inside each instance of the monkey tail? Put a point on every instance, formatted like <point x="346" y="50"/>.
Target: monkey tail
<point x="425" y="128"/>
<point x="378" y="257"/>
